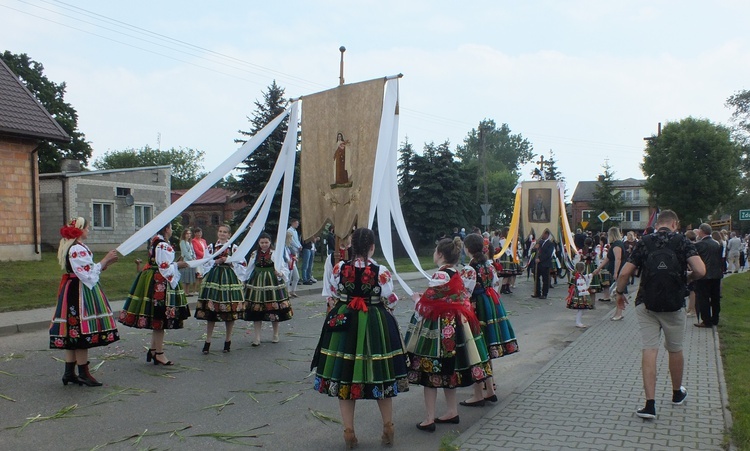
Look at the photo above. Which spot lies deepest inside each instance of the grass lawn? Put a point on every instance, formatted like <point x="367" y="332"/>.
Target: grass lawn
<point x="29" y="285"/>
<point x="734" y="333"/>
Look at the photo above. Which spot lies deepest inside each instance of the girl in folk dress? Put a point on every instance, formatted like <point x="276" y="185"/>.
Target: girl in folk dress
<point x="83" y="318"/>
<point x="221" y="297"/>
<point x="578" y="293"/>
<point x="360" y="354"/>
<point x="481" y="281"/>
<point x="187" y="274"/>
<point x="444" y="341"/>
<point x="588" y="257"/>
<point x="156" y="300"/>
<point x="266" y="291"/>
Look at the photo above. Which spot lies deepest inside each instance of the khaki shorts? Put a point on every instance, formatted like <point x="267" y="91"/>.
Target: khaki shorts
<point x="652" y="323"/>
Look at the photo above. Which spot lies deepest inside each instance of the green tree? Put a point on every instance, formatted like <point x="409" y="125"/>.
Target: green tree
<point x="693" y="166"/>
<point x="436" y="200"/>
<point x="256" y="169"/>
<point x="52" y="96"/>
<point x="495" y="155"/>
<point x="606" y="197"/>
<point x="551" y="171"/>
<point x="187" y="163"/>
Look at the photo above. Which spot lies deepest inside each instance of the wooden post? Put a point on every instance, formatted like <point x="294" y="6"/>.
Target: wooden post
<point x="342" y="49"/>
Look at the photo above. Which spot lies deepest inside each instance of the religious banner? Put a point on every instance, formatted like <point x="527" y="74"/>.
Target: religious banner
<point x="540" y="208"/>
<point x="340" y="130"/>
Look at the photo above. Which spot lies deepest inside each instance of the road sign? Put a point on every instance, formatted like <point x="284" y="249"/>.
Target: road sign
<point x="744" y="215"/>
<point x="584" y="224"/>
<point x="603" y="216"/>
<point x="485" y="208"/>
<point x="485" y="220"/>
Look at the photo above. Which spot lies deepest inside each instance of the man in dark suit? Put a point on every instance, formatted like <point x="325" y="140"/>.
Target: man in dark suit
<point x="543" y="264"/>
<point x="579" y="238"/>
<point x="708" y="289"/>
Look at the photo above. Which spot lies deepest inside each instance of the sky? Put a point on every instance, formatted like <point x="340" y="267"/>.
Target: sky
<point x="587" y="80"/>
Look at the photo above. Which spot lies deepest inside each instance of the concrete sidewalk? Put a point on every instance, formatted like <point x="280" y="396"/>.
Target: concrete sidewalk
<point x="586" y="398"/>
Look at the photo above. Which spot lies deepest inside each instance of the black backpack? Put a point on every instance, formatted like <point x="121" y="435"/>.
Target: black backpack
<point x="663" y="284"/>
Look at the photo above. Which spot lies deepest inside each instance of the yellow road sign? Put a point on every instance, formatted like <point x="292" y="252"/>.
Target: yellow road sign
<point x="584" y="224"/>
<point x="603" y="216"/>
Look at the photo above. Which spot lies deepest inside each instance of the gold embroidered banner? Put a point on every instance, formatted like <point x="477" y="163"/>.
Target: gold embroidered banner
<point x="339" y="141"/>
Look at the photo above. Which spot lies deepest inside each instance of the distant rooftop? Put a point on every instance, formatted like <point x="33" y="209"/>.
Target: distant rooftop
<point x="585" y="190"/>
<point x="21" y="114"/>
<point x="212" y="196"/>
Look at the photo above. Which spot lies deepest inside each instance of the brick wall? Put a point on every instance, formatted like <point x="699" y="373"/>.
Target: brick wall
<point x="17" y="215"/>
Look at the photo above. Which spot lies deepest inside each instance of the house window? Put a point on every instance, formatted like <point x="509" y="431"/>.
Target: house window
<point x="631" y="195"/>
<point x="633" y="215"/>
<point x="143" y="214"/>
<point x="186" y="220"/>
<point x="215" y="219"/>
<point x="102" y="215"/>
<point x="122" y="192"/>
<point x="587" y="215"/>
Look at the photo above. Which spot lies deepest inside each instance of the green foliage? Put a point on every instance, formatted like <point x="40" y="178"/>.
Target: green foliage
<point x="187" y="163"/>
<point x="52" y="96"/>
<point x="692" y="167"/>
<point x="606" y="196"/>
<point x="496" y="155"/>
<point x="434" y="198"/>
<point x="256" y="169"/>
<point x="735" y="345"/>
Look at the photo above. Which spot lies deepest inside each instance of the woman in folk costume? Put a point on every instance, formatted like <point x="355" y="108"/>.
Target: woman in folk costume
<point x="83" y="318"/>
<point x="602" y="269"/>
<point x="221" y="297"/>
<point x="360" y="354"/>
<point x="156" y="300"/>
<point x="444" y="341"/>
<point x="266" y="293"/>
<point x="579" y="293"/>
<point x="508" y="268"/>
<point x="480" y="279"/>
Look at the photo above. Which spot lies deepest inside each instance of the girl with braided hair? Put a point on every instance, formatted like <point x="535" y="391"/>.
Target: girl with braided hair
<point x="360" y="354"/>
<point x="83" y="318"/>
<point x="482" y="282"/>
<point x="444" y="341"/>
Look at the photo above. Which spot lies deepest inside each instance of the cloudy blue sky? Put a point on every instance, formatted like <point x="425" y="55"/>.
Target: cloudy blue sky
<point x="586" y="79"/>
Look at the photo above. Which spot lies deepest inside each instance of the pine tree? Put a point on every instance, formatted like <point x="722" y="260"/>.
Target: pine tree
<point x="256" y="169"/>
<point x="551" y="171"/>
<point x="606" y="197"/>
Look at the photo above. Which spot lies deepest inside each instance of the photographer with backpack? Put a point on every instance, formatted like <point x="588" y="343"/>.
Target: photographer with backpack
<point x="663" y="257"/>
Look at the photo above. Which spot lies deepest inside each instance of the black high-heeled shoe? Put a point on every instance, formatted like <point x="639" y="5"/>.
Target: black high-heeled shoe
<point x="85" y="377"/>
<point x="206" y="347"/>
<point x="158" y="362"/>
<point x="227" y="345"/>
<point x="149" y="355"/>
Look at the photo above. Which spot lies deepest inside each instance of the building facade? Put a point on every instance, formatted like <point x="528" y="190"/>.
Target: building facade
<point x="116" y="202"/>
<point x="634" y="216"/>
<point x="215" y="207"/>
<point x="24" y="123"/>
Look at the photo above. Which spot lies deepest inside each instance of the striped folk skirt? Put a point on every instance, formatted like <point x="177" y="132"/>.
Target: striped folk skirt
<point x="221" y="297"/>
<point x="364" y="359"/>
<point x="154" y="304"/>
<point x="83" y="318"/>
<point x="267" y="297"/>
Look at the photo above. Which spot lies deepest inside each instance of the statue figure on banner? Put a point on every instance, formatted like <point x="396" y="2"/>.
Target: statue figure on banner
<point x="339" y="157"/>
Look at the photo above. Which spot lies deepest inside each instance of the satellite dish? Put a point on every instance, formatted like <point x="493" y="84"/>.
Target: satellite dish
<point x="129" y="201"/>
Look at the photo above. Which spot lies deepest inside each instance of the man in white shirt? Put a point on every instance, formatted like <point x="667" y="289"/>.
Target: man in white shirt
<point x="295" y="245"/>
<point x="734" y="245"/>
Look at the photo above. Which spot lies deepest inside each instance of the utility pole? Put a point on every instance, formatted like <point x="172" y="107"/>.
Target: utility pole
<point x="483" y="163"/>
